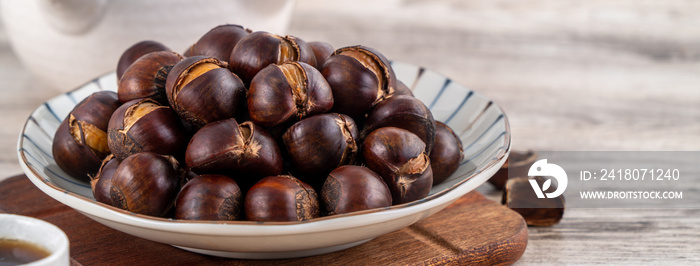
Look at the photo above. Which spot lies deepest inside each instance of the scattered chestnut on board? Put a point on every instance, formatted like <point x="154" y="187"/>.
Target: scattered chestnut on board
<point x="360" y="77"/>
<point x="218" y="42"/>
<point x="404" y="112"/>
<point x="351" y="188"/>
<point x="517" y="164"/>
<point x="446" y="154"/>
<point x="286" y="93"/>
<point x="521" y="198"/>
<point x="281" y="198"/>
<point x="245" y="151"/>
<point x="399" y="157"/>
<point x="145" y="78"/>
<point x="146" y="183"/>
<point x="322" y="50"/>
<point x="260" y="49"/>
<point x="318" y="144"/>
<point x="145" y="125"/>
<point x="202" y="90"/>
<point x="101" y="183"/>
<point x="80" y="142"/>
<point x="209" y="197"/>
<point x="135" y="52"/>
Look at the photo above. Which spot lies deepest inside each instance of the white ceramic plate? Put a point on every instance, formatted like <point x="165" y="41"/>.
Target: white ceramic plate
<point x="481" y="125"/>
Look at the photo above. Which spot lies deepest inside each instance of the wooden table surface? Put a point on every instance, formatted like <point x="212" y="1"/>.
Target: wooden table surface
<point x="571" y="75"/>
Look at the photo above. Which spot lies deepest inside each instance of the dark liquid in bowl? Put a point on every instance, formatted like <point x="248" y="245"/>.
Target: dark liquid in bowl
<point x="17" y="252"/>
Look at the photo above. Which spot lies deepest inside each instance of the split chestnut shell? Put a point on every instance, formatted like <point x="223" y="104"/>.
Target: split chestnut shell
<point x="135" y="52"/>
<point x="399" y="157"/>
<point x="145" y="125"/>
<point x="145" y="78"/>
<point x="80" y="142"/>
<point x="281" y="198"/>
<point x="245" y="151"/>
<point x="146" y="183"/>
<point x="360" y="77"/>
<point x="202" y="90"/>
<point x="319" y="144"/>
<point x="260" y="49"/>
<point x="218" y="42"/>
<point x="281" y="94"/>
<point x="404" y="112"/>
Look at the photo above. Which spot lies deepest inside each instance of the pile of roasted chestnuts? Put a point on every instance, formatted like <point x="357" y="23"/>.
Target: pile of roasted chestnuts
<point x="255" y="126"/>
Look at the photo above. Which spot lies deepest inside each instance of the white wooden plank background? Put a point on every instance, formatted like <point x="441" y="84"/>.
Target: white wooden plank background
<point x="571" y="75"/>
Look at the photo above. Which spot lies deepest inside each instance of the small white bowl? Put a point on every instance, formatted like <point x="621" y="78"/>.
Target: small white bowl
<point x="481" y="125"/>
<point x="39" y="233"/>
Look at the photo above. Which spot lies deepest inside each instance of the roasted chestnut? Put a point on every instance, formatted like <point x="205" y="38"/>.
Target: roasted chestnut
<point x="288" y="92"/>
<point x="352" y="188"/>
<point x="225" y="147"/>
<point x="209" y="197"/>
<point x="145" y="125"/>
<point x="319" y="144"/>
<point x="402" y="89"/>
<point x="218" y="42"/>
<point x="281" y="198"/>
<point x="135" y="52"/>
<point x="260" y="49"/>
<point x="518" y="164"/>
<point x="399" y="157"/>
<point x="146" y="183"/>
<point x="146" y="77"/>
<point x="80" y="142"/>
<point x="446" y="154"/>
<point x="405" y="112"/>
<point x="101" y="183"/>
<point x="360" y="77"/>
<point x="322" y="50"/>
<point x="520" y="197"/>
<point x="202" y="90"/>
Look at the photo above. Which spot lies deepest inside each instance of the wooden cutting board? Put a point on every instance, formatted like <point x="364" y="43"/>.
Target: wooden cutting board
<point x="473" y="230"/>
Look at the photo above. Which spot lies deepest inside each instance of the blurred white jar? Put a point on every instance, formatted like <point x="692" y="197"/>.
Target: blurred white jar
<point x="66" y="43"/>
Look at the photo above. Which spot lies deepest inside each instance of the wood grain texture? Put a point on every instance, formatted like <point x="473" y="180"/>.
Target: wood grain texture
<point x="473" y="230"/>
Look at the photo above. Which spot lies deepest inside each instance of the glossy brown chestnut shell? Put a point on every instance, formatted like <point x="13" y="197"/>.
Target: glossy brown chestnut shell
<point x="281" y="198"/>
<point x="145" y="125"/>
<point x="405" y="112"/>
<point x="146" y="183"/>
<point x="521" y="198"/>
<point x="282" y="94"/>
<point x="322" y="50"/>
<point x="80" y="142"/>
<point x="399" y="157"/>
<point x="218" y="42"/>
<point x="360" y="77"/>
<point x="202" y="90"/>
<point x="319" y="144"/>
<point x="518" y="164"/>
<point x="146" y="77"/>
<point x="446" y="154"/>
<point x="260" y="49"/>
<point x="101" y="183"/>
<point x="351" y="188"/>
<point x="402" y="89"/>
<point x="135" y="52"/>
<point x="225" y="147"/>
<point x="209" y="197"/>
